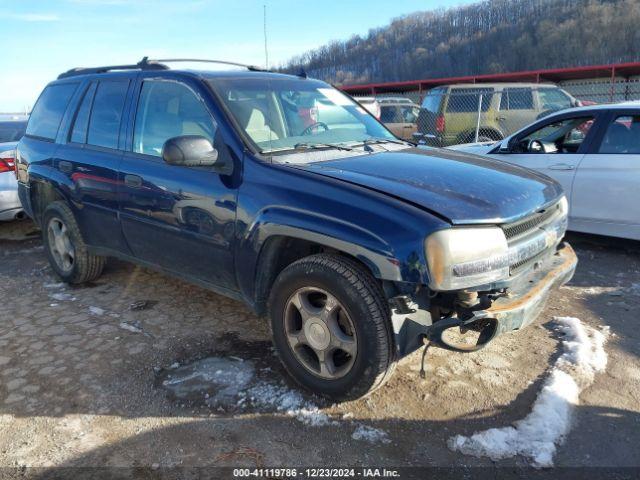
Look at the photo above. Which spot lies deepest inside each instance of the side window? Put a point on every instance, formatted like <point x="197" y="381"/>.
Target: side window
<point x="106" y="114"/>
<point x="81" y="123"/>
<point x="562" y="136"/>
<point x="516" y="99"/>
<point x="623" y="136"/>
<point x="168" y="109"/>
<point x="409" y="114"/>
<point x="49" y="109"/>
<point x="466" y="100"/>
<point x="388" y="114"/>
<point x="553" y="99"/>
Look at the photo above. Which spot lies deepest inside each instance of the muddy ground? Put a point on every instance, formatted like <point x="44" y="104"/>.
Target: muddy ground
<point x="84" y="374"/>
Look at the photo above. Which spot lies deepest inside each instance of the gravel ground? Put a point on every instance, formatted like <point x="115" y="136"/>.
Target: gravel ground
<point x="86" y="377"/>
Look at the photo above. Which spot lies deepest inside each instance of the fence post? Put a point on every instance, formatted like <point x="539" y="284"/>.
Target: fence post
<point x="479" y="113"/>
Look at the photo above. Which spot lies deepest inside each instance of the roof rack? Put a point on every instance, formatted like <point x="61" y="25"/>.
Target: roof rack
<point x="150" y="64"/>
<point x="252" y="68"/>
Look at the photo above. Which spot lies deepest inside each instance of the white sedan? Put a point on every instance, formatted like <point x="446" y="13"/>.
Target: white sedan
<point x="594" y="152"/>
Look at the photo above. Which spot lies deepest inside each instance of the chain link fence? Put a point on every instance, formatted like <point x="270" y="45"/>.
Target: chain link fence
<point x="455" y="114"/>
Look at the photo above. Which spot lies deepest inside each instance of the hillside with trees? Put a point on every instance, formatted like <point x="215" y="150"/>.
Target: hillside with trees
<point x="492" y="36"/>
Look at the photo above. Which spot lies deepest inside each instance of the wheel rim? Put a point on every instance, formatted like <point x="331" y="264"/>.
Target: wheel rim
<point x="62" y="249"/>
<point x="320" y="333"/>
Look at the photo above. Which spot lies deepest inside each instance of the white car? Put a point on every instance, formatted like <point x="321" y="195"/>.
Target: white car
<point x="10" y="132"/>
<point x="594" y="152"/>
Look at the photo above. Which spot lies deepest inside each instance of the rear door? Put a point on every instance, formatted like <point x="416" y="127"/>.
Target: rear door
<point x="179" y="218"/>
<point x="90" y="156"/>
<point x="606" y="189"/>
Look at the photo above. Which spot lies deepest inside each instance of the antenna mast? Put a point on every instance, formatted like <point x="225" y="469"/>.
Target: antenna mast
<point x="266" y="51"/>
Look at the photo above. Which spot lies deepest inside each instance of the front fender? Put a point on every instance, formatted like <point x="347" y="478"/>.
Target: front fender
<point x="337" y="234"/>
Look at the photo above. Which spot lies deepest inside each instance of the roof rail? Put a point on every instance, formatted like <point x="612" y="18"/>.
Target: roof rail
<point x="149" y="64"/>
<point x="253" y="68"/>
<point x="144" y="64"/>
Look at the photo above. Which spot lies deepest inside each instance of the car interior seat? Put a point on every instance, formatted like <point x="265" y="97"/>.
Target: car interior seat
<point x="618" y="139"/>
<point x="252" y="119"/>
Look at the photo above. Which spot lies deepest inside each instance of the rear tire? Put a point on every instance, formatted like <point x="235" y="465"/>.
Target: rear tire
<point x="345" y="320"/>
<point x="65" y="247"/>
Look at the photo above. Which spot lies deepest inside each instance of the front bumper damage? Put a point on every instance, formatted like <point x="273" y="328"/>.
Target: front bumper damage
<point x="513" y="310"/>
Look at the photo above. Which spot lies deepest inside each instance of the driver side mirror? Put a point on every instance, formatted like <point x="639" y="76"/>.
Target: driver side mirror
<point x="194" y="151"/>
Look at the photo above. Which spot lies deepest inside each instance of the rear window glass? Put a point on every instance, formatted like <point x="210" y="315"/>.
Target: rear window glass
<point x="49" y="109"/>
<point x="104" y="125"/>
<point x="431" y="102"/>
<point x="11" y="131"/>
<point x="468" y="99"/>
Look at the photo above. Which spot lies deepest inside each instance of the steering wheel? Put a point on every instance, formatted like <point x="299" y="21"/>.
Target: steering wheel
<point x="536" y="146"/>
<point x="308" y="130"/>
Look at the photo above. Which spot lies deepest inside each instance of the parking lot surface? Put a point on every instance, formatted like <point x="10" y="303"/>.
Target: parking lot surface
<point x="110" y="374"/>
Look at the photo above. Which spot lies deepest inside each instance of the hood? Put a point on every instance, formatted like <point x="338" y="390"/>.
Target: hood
<point x="462" y="188"/>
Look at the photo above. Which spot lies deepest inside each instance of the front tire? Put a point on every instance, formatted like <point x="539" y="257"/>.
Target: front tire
<point x="331" y="327"/>
<point x="65" y="247"/>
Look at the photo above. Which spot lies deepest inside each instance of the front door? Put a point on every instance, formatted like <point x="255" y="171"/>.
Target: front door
<point x="554" y="148"/>
<point x="178" y="218"/>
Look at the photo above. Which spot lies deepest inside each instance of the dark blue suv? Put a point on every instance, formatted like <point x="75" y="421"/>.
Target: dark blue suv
<point x="284" y="193"/>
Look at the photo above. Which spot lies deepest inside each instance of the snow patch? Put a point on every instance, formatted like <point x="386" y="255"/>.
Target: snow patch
<point x="370" y="434"/>
<point x="54" y="285"/>
<point x="230" y="384"/>
<point x="130" y="328"/>
<point x="288" y="401"/>
<point x="537" y="435"/>
<point x="97" y="311"/>
<point x="62" y="297"/>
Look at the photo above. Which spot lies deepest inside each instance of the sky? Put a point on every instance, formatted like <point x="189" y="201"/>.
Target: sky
<point x="42" y="38"/>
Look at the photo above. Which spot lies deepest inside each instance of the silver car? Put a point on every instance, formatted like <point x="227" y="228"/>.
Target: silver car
<point x="10" y="132"/>
<point x="594" y="152"/>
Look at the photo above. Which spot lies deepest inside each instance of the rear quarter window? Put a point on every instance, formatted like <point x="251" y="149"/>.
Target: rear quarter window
<point x="49" y="109"/>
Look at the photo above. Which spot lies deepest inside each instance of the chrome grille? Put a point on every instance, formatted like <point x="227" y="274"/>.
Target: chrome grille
<point x="522" y="227"/>
<point x="521" y="232"/>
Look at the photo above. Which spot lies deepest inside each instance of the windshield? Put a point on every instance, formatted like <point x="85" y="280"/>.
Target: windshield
<point x="282" y="115"/>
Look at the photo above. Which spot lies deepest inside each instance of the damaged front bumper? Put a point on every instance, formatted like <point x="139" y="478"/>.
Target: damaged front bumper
<point x="513" y="310"/>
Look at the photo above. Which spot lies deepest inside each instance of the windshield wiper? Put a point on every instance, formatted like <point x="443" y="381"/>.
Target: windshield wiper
<point x="310" y="146"/>
<point x="374" y="140"/>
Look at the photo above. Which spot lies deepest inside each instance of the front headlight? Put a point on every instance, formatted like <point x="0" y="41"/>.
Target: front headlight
<point x="466" y="257"/>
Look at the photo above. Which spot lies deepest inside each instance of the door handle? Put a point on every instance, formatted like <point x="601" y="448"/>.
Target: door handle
<point x="133" y="181"/>
<point x="561" y="166"/>
<point x="65" y="166"/>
